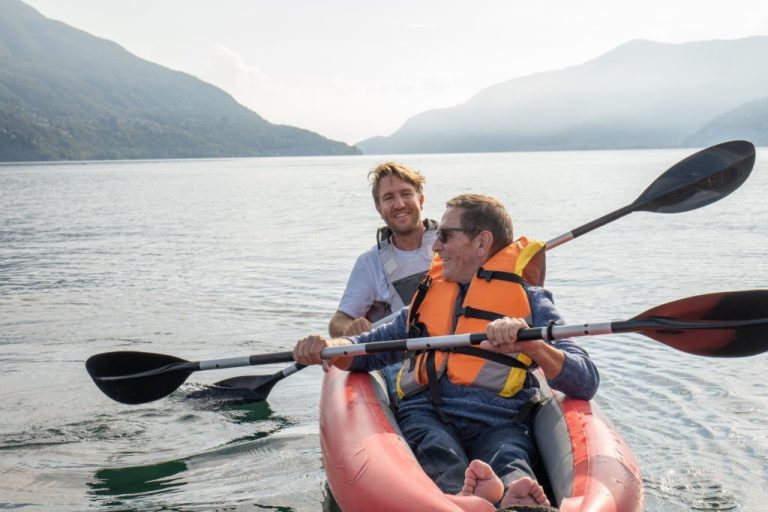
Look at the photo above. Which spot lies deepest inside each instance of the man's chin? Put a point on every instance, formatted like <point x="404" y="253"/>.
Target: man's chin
<point x="403" y="231"/>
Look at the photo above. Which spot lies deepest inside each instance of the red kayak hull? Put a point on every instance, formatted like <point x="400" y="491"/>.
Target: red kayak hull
<point x="370" y="467"/>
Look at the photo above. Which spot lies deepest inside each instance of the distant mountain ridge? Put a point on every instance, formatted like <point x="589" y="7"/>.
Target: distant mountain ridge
<point x="68" y="95"/>
<point x="748" y="122"/>
<point x="641" y="94"/>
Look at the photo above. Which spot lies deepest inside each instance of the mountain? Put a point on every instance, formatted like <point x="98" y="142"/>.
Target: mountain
<point x="67" y="95"/>
<point x="748" y="122"/>
<point x="642" y="94"/>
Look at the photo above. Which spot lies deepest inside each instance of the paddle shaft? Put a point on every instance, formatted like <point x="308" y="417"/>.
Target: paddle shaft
<point x="214" y="364"/>
<point x="550" y="333"/>
<point x="586" y="228"/>
<point x="254" y="360"/>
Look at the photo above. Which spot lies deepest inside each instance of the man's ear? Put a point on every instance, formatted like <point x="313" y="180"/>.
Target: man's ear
<point x="485" y="241"/>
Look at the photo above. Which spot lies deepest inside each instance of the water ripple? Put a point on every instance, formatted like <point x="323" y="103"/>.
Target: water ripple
<point x="693" y="490"/>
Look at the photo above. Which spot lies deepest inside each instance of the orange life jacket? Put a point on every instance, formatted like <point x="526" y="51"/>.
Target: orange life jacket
<point x="496" y="291"/>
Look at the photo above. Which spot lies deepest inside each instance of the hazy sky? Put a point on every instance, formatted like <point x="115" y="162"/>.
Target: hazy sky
<point x="353" y="69"/>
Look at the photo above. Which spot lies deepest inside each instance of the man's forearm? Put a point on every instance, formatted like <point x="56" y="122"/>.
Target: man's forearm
<point x="339" y="322"/>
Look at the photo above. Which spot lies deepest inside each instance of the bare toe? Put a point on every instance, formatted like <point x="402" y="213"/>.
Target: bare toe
<point x="480" y="480"/>
<point x="525" y="491"/>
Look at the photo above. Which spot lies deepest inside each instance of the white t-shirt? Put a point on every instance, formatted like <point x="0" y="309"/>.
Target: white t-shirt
<point x="368" y="284"/>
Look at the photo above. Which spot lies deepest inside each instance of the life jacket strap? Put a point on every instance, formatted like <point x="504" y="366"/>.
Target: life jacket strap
<point x="435" y="396"/>
<point x="491" y="356"/>
<point x="501" y="275"/>
<point x="421" y="292"/>
<point x="415" y="328"/>
<point x="470" y="312"/>
<point x="382" y="236"/>
<point x="531" y="407"/>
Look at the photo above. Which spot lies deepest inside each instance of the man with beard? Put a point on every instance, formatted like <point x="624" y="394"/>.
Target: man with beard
<point x="385" y="277"/>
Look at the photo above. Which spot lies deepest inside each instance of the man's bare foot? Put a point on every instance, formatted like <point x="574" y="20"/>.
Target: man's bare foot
<point x="524" y="491"/>
<point x="480" y="480"/>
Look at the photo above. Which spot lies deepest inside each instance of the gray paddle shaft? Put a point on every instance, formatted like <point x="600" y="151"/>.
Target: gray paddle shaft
<point x="549" y="333"/>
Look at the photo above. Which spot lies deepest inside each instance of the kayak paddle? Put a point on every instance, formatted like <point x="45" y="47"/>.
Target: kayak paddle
<point x="725" y="324"/>
<point x="699" y="180"/>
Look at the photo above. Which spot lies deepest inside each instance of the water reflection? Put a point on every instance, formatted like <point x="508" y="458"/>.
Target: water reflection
<point x="238" y="404"/>
<point x="220" y="469"/>
<point x="138" y="481"/>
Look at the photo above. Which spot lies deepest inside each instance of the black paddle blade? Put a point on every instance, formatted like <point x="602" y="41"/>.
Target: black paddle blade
<point x="244" y="390"/>
<point x="746" y="311"/>
<point x="252" y="388"/>
<point x="701" y="179"/>
<point x="137" y="390"/>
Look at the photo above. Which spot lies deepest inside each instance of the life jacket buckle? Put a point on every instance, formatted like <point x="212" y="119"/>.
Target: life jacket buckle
<point x="485" y="274"/>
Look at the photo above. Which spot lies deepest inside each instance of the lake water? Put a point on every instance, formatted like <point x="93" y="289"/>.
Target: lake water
<point x="207" y="259"/>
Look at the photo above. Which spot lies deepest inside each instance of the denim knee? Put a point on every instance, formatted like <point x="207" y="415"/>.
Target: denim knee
<point x="438" y="450"/>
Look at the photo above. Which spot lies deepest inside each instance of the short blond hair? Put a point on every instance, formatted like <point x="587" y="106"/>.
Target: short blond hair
<point x="400" y="171"/>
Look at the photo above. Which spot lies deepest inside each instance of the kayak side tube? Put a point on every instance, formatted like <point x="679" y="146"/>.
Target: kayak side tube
<point x="589" y="466"/>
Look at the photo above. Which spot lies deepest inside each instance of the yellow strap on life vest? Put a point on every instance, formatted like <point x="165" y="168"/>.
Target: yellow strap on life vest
<point x="525" y="256"/>
<point x="516" y="377"/>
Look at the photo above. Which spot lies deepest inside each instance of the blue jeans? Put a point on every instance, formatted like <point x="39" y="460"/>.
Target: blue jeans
<point x="445" y="450"/>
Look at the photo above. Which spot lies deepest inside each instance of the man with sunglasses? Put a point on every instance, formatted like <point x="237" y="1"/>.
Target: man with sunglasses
<point x="465" y="412"/>
<point x="385" y="277"/>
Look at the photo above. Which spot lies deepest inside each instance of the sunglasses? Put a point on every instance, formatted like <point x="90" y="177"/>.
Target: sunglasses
<point x="444" y="234"/>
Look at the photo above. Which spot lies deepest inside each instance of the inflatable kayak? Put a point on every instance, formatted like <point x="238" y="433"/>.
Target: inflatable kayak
<point x="370" y="467"/>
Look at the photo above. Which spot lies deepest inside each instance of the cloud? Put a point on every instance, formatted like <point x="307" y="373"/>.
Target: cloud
<point x="227" y="69"/>
<point x="247" y="83"/>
